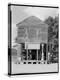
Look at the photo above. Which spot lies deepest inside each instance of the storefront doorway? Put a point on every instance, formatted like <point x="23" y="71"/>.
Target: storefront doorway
<point x="31" y="54"/>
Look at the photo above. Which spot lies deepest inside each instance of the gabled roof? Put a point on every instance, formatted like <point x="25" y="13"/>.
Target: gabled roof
<point x="31" y="21"/>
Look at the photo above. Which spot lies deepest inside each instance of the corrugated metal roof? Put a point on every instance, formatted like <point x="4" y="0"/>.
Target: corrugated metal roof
<point x="32" y="21"/>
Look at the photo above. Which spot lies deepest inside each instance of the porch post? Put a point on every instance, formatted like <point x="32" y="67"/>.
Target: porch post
<point x="19" y="52"/>
<point x="27" y="50"/>
<point x="37" y="54"/>
<point x="42" y="53"/>
<point x="42" y="59"/>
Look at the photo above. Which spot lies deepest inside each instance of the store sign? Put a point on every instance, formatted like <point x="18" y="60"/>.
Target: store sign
<point x="32" y="46"/>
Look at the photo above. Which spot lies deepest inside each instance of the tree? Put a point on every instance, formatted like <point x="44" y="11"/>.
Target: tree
<point x="50" y="21"/>
<point x="53" y="24"/>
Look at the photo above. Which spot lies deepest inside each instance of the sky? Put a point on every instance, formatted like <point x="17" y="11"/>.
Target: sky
<point x="19" y="13"/>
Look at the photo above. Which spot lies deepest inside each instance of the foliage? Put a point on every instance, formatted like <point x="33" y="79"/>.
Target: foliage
<point x="53" y="30"/>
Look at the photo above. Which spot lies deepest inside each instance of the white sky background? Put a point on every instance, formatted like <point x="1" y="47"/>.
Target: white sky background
<point x="19" y="13"/>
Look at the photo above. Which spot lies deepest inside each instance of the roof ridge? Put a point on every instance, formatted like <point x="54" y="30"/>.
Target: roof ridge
<point x="28" y="18"/>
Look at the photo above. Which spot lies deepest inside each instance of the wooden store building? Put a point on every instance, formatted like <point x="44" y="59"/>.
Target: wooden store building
<point x="32" y="39"/>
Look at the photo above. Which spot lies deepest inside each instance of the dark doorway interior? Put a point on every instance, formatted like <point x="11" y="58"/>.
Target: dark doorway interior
<point x="32" y="54"/>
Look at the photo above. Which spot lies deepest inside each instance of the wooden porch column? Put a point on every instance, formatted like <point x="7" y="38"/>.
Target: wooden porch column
<point x="37" y="54"/>
<point x="27" y="50"/>
<point x="27" y="54"/>
<point x="42" y="59"/>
